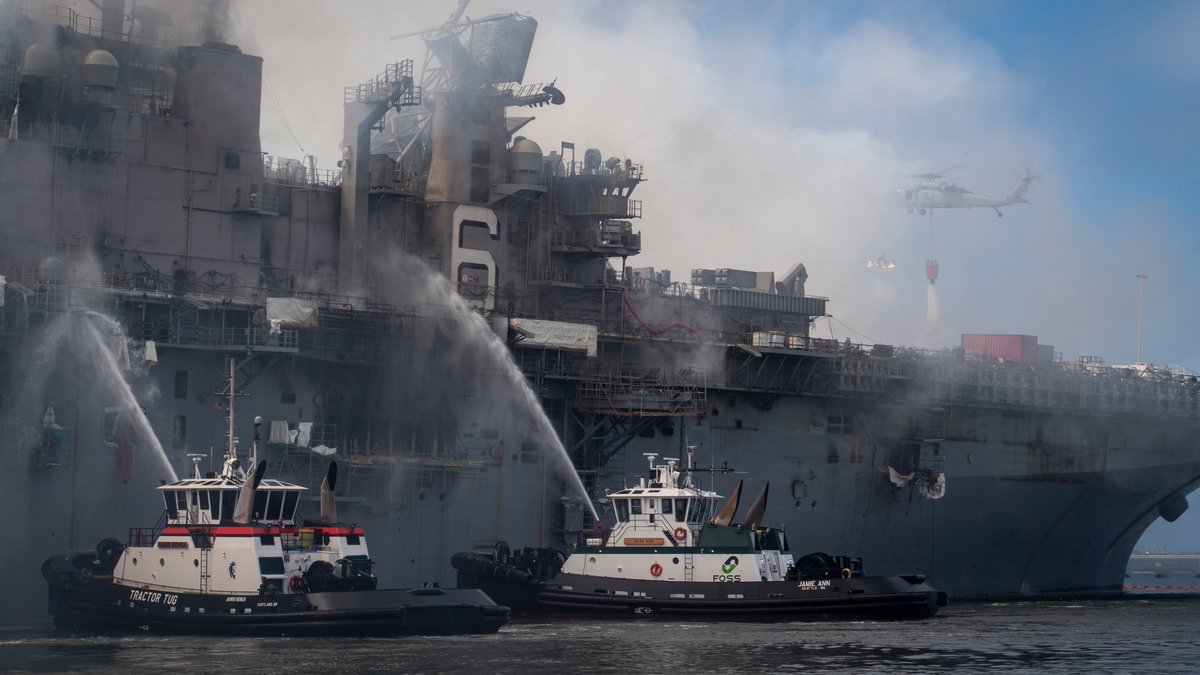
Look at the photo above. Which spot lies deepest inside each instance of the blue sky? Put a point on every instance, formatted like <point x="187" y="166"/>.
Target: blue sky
<point x="777" y="132"/>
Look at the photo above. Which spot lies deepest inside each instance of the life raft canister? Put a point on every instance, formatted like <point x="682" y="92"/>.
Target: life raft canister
<point x="681" y="533"/>
<point x="655" y="570"/>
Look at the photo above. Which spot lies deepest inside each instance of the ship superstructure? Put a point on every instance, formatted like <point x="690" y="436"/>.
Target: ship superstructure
<point x="135" y="185"/>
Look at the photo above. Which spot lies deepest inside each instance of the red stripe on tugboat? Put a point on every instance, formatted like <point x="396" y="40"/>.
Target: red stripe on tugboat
<point x="244" y="531"/>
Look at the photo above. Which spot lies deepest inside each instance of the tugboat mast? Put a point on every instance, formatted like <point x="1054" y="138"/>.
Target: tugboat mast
<point x="231" y="468"/>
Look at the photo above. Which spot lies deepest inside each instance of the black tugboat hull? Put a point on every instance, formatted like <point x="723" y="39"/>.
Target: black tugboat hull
<point x="858" y="598"/>
<point x="80" y="603"/>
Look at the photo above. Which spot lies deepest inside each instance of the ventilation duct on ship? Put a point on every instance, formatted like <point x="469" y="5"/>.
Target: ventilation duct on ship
<point x="729" y="510"/>
<point x="1172" y="507"/>
<point x="242" y="513"/>
<point x="755" y="515"/>
<point x="328" y="505"/>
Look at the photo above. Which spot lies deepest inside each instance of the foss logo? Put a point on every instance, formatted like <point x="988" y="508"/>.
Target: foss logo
<point x="727" y="569"/>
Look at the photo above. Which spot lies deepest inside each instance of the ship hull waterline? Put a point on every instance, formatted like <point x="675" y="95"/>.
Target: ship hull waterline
<point x="97" y="605"/>
<point x="859" y="598"/>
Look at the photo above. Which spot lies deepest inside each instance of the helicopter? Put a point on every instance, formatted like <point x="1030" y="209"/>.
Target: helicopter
<point x="934" y="192"/>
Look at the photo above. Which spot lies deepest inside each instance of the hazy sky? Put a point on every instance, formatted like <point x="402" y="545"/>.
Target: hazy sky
<point x="777" y="132"/>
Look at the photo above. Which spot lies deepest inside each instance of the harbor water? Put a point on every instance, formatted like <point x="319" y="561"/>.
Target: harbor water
<point x="1155" y="633"/>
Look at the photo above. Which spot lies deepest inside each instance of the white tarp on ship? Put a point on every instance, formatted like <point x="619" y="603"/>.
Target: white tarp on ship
<point x="931" y="485"/>
<point x="556" y="334"/>
<point x="282" y="434"/>
<point x="291" y="313"/>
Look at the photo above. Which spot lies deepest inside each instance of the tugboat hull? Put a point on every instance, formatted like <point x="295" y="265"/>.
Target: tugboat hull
<point x="895" y="597"/>
<point x="83" y="602"/>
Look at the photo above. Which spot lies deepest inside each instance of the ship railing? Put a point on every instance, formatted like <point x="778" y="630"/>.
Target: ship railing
<point x="1063" y="388"/>
<point x="622" y="171"/>
<point x="406" y="181"/>
<point x="596" y="238"/>
<point x="609" y="206"/>
<point x="229" y="336"/>
<point x="553" y="273"/>
<point x="146" y="536"/>
<point x="644" y="389"/>
<point x="93" y="27"/>
<point x="304" y="540"/>
<point x="383" y="85"/>
<point x="58" y="135"/>
<point x="295" y="172"/>
<point x="10" y="80"/>
<point x="522" y="177"/>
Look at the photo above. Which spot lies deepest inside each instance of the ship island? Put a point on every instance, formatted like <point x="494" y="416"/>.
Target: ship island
<point x="137" y="197"/>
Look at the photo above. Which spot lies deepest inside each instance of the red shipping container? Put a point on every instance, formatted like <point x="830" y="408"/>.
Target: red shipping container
<point x="1017" y="348"/>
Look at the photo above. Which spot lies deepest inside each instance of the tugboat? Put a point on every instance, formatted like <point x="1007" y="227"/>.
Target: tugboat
<point x="672" y="552"/>
<point x="231" y="555"/>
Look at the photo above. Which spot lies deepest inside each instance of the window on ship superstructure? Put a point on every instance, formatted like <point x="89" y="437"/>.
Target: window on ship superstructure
<point x="228" y="503"/>
<point x="666" y="505"/>
<point x="681" y="506"/>
<point x="290" y="499"/>
<point x="622" y="510"/>
<point x="635" y="506"/>
<point x="840" y="422"/>
<point x="214" y="503"/>
<point x="274" y="504"/>
<point x="181" y="501"/>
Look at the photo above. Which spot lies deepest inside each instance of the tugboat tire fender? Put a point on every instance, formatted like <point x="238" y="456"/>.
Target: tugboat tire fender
<point x="655" y="570"/>
<point x="846" y="573"/>
<point x="108" y="552"/>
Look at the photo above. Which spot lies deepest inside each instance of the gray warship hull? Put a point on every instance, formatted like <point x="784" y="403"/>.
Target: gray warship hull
<point x="140" y="191"/>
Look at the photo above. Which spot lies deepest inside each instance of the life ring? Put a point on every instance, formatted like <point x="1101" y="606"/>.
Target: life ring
<point x="295" y="583"/>
<point x="655" y="570"/>
<point x="681" y="533"/>
<point x="846" y="572"/>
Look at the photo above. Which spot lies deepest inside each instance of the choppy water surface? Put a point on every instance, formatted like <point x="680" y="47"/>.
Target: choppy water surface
<point x="1157" y="634"/>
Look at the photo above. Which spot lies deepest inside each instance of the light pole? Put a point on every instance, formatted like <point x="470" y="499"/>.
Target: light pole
<point x="1141" y="287"/>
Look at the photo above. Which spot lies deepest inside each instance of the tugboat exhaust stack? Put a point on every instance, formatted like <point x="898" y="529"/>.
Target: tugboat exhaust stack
<point x="328" y="506"/>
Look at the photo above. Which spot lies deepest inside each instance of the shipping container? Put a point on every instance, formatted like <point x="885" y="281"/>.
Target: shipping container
<point x="764" y="282"/>
<point x="1016" y="348"/>
<point x="704" y="277"/>
<point x="1045" y="355"/>
<point x="736" y="278"/>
